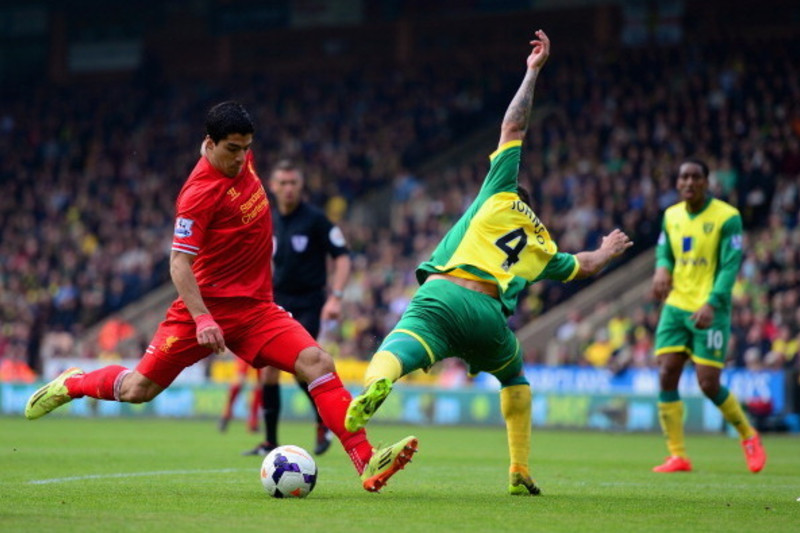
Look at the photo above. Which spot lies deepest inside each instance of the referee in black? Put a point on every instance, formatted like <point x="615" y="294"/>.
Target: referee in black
<point x="304" y="238"/>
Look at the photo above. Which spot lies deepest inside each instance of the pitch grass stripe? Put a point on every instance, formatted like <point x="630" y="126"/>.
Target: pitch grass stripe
<point x="135" y="474"/>
<point x="622" y="484"/>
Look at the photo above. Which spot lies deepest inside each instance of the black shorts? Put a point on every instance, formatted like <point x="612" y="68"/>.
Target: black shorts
<point x="305" y="308"/>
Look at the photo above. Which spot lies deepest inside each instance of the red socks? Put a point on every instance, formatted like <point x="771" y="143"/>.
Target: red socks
<point x="233" y="393"/>
<point x="99" y="384"/>
<point x="332" y="400"/>
<point x="255" y="406"/>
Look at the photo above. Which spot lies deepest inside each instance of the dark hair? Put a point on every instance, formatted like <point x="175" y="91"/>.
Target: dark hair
<point x="700" y="163"/>
<point x="226" y="119"/>
<point x="286" y="164"/>
<point x="524" y="195"/>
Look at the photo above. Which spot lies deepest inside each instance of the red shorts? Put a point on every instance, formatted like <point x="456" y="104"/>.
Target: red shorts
<point x="260" y="333"/>
<point x="244" y="371"/>
<point x="242" y="367"/>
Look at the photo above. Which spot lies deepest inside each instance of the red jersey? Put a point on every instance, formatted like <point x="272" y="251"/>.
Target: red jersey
<point x="226" y="223"/>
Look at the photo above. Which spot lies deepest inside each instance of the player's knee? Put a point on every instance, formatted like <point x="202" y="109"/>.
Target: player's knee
<point x="136" y="388"/>
<point x="669" y="371"/>
<point x="511" y="381"/>
<point x="312" y="363"/>
<point x="709" y="386"/>
<point x="136" y="395"/>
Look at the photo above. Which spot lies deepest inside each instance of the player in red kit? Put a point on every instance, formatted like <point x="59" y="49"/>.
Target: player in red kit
<point x="220" y="265"/>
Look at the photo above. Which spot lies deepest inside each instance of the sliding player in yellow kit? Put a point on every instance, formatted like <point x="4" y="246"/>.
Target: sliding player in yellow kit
<point x="698" y="256"/>
<point x="471" y="284"/>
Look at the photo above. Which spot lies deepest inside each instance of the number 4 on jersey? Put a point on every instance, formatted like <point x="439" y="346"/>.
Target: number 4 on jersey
<point x="512" y="252"/>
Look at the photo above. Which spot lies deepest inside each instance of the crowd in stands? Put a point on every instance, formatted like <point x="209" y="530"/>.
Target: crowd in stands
<point x="90" y="175"/>
<point x="605" y="156"/>
<point x="90" y="172"/>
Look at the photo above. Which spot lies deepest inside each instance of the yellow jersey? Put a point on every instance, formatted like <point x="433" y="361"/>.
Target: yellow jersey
<point x="703" y="251"/>
<point x="499" y="238"/>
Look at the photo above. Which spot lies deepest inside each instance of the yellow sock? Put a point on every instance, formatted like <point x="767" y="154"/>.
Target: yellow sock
<point x="515" y="404"/>
<point x="383" y="365"/>
<point x="733" y="414"/>
<point x="670" y="415"/>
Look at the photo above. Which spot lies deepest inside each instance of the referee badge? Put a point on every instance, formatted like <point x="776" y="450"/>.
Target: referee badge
<point x="337" y="237"/>
<point x="299" y="243"/>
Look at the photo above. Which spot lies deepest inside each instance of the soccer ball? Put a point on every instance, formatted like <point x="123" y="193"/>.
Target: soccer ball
<point x="288" y="472"/>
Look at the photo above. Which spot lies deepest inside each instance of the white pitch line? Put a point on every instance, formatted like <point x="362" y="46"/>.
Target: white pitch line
<point x="135" y="474"/>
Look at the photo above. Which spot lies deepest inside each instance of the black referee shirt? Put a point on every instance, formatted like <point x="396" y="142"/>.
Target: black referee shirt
<point x="302" y="241"/>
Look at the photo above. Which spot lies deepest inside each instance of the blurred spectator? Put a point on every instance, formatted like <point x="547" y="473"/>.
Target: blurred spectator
<point x="783" y="352"/>
<point x="618" y="328"/>
<point x="14" y="369"/>
<point x="598" y="352"/>
<point x="569" y="329"/>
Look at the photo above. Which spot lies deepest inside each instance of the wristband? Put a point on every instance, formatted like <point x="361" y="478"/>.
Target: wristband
<point x="204" y="321"/>
<point x="337" y="294"/>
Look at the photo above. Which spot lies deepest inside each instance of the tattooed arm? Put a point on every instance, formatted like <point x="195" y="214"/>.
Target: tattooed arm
<point x="517" y="117"/>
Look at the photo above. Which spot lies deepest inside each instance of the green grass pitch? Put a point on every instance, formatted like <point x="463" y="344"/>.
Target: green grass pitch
<point x="64" y="474"/>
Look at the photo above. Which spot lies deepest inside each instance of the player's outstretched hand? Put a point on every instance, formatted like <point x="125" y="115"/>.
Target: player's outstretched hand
<point x="616" y="243"/>
<point x="541" y="50"/>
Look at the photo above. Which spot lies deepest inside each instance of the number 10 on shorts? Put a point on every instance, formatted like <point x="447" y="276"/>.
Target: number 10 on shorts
<point x="715" y="339"/>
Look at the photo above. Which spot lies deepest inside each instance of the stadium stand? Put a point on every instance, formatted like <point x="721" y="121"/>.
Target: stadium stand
<point x="88" y="192"/>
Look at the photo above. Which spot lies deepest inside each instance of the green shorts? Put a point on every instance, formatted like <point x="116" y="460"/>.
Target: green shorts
<point x="446" y="320"/>
<point x="676" y="333"/>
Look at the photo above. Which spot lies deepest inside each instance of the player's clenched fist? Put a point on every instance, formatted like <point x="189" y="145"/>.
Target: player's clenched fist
<point x="616" y="242"/>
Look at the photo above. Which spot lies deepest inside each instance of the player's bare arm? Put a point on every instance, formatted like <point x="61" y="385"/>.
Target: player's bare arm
<point x="518" y="114"/>
<point x="662" y="284"/>
<point x="332" y="309"/>
<point x="209" y="334"/>
<point x="613" y="245"/>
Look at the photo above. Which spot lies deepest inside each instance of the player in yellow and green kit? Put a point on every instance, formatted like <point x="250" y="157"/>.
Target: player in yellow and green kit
<point x="697" y="259"/>
<point x="471" y="284"/>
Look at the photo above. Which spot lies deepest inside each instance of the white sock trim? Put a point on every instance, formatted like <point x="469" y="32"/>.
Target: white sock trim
<point x="118" y="383"/>
<point x="354" y="457"/>
<point x="320" y="380"/>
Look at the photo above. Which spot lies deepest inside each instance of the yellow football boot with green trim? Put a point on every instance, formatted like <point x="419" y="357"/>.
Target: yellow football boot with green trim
<point x="363" y="406"/>
<point x="52" y="395"/>
<point x="522" y="485"/>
